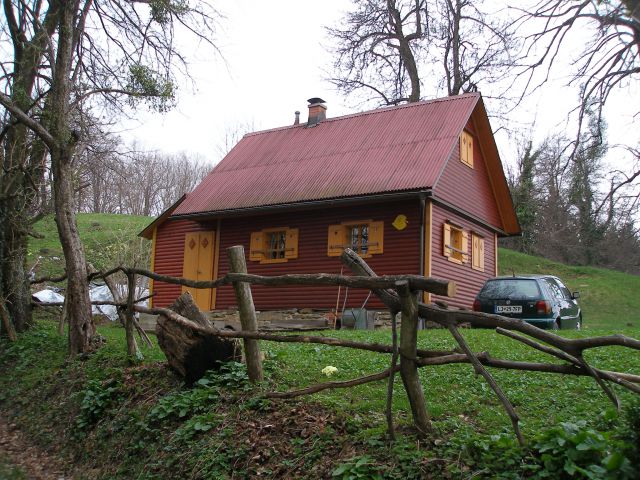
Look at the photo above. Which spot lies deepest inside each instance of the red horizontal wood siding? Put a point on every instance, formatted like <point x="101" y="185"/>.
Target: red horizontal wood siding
<point x="401" y="254"/>
<point x="169" y="257"/>
<point x="469" y="188"/>
<point x="468" y="280"/>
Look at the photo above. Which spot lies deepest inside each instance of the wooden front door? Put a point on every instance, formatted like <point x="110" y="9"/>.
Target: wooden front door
<point x="199" y="248"/>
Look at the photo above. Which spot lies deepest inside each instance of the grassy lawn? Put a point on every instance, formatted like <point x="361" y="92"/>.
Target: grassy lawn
<point x="104" y="405"/>
<point x="456" y="397"/>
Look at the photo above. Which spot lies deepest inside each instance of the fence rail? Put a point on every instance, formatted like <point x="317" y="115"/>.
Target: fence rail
<point x="398" y="293"/>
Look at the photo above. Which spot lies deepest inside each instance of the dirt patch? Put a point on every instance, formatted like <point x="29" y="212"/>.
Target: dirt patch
<point x="36" y="463"/>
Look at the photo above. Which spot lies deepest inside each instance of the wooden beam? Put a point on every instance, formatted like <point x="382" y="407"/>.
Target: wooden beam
<point x="247" y="313"/>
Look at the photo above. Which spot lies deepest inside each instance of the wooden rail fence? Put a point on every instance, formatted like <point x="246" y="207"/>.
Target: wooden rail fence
<point x="399" y="293"/>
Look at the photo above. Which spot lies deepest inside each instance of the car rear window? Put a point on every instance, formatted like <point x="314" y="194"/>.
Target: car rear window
<point x="510" y="288"/>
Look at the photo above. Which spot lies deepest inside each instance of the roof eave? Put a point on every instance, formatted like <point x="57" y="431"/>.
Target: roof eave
<point x="245" y="211"/>
<point x="147" y="232"/>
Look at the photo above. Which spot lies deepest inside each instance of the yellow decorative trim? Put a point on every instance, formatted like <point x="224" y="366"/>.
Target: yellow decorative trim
<point x="428" y="245"/>
<point x="153" y="263"/>
<point x="216" y="260"/>
<point x="400" y="222"/>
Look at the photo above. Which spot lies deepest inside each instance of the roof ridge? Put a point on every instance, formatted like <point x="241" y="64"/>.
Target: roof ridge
<point x="370" y="112"/>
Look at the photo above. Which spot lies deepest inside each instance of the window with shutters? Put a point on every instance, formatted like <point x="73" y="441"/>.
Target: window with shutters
<point x="466" y="149"/>
<point x="365" y="237"/>
<point x="455" y="243"/>
<point x="274" y="245"/>
<point x="477" y="252"/>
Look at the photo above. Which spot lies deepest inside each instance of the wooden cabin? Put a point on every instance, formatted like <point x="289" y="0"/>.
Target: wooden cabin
<point x="415" y="189"/>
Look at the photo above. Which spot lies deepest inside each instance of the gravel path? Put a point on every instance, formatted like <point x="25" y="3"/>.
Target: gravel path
<point x="35" y="462"/>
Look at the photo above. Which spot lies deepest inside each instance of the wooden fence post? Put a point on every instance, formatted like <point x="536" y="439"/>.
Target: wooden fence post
<point x="132" y="345"/>
<point x="247" y="312"/>
<point x="408" y="356"/>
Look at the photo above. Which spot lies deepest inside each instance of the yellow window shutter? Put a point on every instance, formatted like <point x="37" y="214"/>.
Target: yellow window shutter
<point x="376" y="237"/>
<point x="446" y="240"/>
<point x="481" y="254"/>
<point x="291" y="243"/>
<point x="256" y="247"/>
<point x="463" y="148"/>
<point x="475" y="252"/>
<point x="465" y="247"/>
<point x="466" y="148"/>
<point x="337" y="240"/>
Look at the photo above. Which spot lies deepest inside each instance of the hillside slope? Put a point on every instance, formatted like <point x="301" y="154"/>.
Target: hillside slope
<point x="609" y="299"/>
<point x="108" y="239"/>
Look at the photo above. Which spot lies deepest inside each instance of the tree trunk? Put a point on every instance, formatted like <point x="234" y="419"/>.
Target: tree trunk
<point x="22" y="168"/>
<point x="191" y="347"/>
<point x="14" y="277"/>
<point x="17" y="196"/>
<point x="81" y="327"/>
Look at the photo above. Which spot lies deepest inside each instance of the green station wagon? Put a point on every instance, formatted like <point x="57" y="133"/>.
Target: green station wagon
<point x="541" y="300"/>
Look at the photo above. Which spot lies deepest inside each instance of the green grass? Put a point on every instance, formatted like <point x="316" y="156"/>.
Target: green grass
<point x="455" y="396"/>
<point x="133" y="411"/>
<point x="608" y="298"/>
<point x="105" y="238"/>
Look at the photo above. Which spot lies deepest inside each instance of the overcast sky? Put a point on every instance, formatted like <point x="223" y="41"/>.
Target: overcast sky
<point x="274" y="60"/>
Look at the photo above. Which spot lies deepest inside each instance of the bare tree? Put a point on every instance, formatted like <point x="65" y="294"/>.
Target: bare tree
<point x="90" y="52"/>
<point x="476" y="47"/>
<point x="113" y="179"/>
<point x="232" y="135"/>
<point x="609" y="60"/>
<point x="23" y="156"/>
<point x="391" y="49"/>
<point x="378" y="47"/>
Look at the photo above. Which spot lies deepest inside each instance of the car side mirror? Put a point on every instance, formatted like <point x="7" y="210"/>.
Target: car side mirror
<point x="575" y="295"/>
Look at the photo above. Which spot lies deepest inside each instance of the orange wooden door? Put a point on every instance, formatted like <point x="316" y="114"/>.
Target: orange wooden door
<point x="199" y="250"/>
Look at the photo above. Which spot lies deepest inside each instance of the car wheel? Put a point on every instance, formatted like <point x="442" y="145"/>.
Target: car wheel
<point x="579" y="324"/>
<point x="556" y="325"/>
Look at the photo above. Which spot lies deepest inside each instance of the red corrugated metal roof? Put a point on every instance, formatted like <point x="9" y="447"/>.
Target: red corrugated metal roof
<point x="386" y="150"/>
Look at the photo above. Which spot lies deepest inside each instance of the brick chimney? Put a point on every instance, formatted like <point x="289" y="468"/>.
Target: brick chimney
<point x="317" y="111"/>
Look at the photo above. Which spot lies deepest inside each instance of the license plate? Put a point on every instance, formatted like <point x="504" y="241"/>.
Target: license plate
<point x="508" y="308"/>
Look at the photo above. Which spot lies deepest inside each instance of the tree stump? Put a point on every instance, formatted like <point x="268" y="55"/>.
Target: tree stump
<point x="190" y="344"/>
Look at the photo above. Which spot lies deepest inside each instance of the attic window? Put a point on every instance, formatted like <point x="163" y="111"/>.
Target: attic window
<point x="466" y="149"/>
<point x="274" y="245"/>
<point x="455" y="243"/>
<point x="363" y="237"/>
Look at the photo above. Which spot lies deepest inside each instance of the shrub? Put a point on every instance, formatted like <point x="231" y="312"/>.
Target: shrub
<point x="571" y="450"/>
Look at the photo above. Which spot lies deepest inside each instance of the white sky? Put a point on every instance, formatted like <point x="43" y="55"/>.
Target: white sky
<point x="274" y="60"/>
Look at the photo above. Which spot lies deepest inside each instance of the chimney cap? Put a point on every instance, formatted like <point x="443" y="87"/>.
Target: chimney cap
<point x="316" y="100"/>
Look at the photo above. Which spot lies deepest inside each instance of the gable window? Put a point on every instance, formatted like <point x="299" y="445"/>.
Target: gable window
<point x="466" y="149"/>
<point x="274" y="245"/>
<point x="364" y="237"/>
<point x="477" y="252"/>
<point x="455" y="243"/>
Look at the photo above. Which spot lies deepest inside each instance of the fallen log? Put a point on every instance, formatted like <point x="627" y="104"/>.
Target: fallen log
<point x="192" y="345"/>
